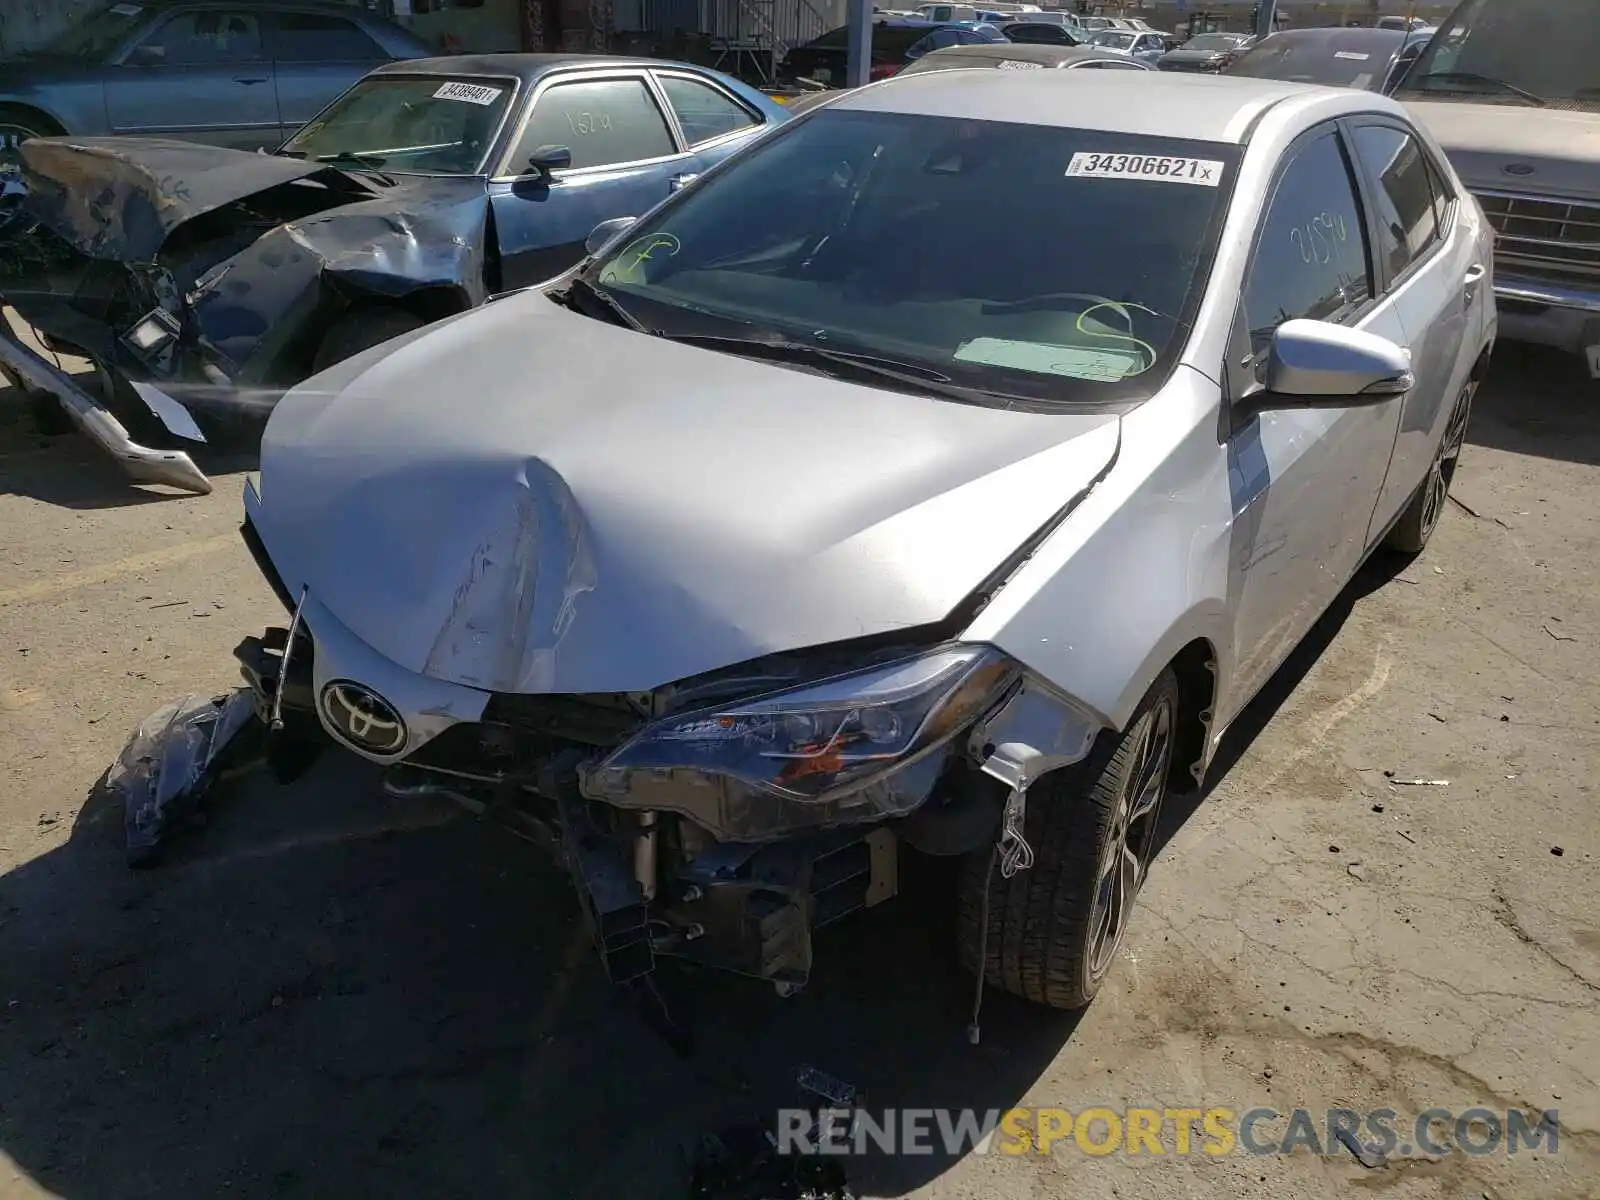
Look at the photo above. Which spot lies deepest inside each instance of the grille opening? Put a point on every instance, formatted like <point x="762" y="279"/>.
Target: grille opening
<point x="1554" y="240"/>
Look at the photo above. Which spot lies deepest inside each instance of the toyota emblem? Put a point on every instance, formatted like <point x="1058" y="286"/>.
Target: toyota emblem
<point x="358" y="715"/>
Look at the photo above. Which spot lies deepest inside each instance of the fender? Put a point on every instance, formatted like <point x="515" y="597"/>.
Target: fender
<point x="1124" y="584"/>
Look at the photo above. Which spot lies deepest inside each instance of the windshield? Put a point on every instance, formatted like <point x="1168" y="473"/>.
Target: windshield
<point x="1358" y="58"/>
<point x="1521" y="52"/>
<point x="423" y="124"/>
<point x="95" y="37"/>
<point x="851" y="231"/>
<point x="1112" y="39"/>
<point x="1211" y="42"/>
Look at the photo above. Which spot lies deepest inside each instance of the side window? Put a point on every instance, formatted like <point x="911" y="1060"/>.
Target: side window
<point x="313" y="37"/>
<point x="1311" y="255"/>
<point x="704" y="112"/>
<point x="206" y="38"/>
<point x="603" y="123"/>
<point x="1406" y="220"/>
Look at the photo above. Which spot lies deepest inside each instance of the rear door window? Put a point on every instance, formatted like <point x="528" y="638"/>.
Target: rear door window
<point x="703" y="112"/>
<point x="1408" y="225"/>
<point x="316" y="37"/>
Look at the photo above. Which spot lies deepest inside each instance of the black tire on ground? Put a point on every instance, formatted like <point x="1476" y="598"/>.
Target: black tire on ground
<point x="1416" y="525"/>
<point x="1044" y="941"/>
<point x="361" y="330"/>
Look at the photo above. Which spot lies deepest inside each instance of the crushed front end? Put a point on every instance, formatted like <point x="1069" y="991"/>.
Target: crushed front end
<point x="723" y="819"/>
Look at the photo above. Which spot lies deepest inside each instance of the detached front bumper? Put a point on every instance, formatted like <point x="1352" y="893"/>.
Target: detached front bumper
<point x="145" y="464"/>
<point x="1548" y="314"/>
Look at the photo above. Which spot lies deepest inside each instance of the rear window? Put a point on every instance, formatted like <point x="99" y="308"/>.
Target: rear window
<point x="852" y="227"/>
<point x="1333" y="62"/>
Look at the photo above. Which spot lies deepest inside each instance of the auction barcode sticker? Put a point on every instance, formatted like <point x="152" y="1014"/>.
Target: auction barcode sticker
<point x="472" y="93"/>
<point x="1162" y="168"/>
<point x="1012" y="64"/>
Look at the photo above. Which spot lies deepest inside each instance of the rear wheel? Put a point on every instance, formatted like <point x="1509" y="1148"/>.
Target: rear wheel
<point x="361" y="330"/>
<point x="1416" y="525"/>
<point x="1053" y="930"/>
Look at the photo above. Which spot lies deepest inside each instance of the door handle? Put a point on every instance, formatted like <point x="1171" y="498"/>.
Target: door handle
<point x="678" y="182"/>
<point x="259" y="79"/>
<point x="1469" y="284"/>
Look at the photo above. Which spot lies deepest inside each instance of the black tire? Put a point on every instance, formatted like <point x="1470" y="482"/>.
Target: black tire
<point x="1416" y="525"/>
<point x="1043" y="923"/>
<point x="361" y="330"/>
<point x="16" y="126"/>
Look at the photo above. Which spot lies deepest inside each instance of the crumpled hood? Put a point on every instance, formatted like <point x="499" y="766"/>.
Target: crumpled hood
<point x="525" y="499"/>
<point x="119" y="198"/>
<point x="1563" y="148"/>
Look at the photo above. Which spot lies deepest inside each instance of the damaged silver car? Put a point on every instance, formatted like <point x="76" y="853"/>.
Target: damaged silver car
<point x="786" y="533"/>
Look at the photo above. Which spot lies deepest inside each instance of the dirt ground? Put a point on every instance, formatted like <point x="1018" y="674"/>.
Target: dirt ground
<point x="328" y="993"/>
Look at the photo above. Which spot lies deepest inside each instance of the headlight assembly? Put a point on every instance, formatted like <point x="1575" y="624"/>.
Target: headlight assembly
<point x="810" y="742"/>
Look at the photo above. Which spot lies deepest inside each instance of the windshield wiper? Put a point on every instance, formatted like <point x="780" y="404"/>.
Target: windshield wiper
<point x="1510" y="89"/>
<point x="349" y="158"/>
<point x="831" y="361"/>
<point x="587" y="291"/>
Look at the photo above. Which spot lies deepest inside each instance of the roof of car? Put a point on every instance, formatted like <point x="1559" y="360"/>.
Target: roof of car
<point x="525" y="67"/>
<point x="1023" y="52"/>
<point x="1335" y="38"/>
<point x="1163" y="104"/>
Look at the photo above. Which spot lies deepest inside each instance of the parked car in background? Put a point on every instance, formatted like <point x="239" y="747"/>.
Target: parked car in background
<point x="895" y="42"/>
<point x="1106" y="480"/>
<point x="1370" y="59"/>
<point x="1205" y="52"/>
<point x="1023" y="57"/>
<point x="1404" y="24"/>
<point x="1010" y="56"/>
<point x="1145" y="47"/>
<point x="240" y="73"/>
<point x="1038" y="33"/>
<point x="1511" y="90"/>
<point x="200" y="276"/>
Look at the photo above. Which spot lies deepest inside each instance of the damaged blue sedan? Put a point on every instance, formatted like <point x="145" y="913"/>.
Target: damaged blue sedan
<point x="203" y="282"/>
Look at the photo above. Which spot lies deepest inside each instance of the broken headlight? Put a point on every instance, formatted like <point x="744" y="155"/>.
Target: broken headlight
<point x="810" y="741"/>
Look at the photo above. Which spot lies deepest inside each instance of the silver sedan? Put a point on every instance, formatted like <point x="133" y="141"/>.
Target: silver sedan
<point x="806" y="523"/>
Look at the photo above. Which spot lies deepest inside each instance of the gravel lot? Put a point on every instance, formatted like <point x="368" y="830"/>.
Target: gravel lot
<point x="330" y="993"/>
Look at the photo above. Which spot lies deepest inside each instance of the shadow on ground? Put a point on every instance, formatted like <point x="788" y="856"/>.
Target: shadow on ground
<point x="329" y="992"/>
<point x="1538" y="402"/>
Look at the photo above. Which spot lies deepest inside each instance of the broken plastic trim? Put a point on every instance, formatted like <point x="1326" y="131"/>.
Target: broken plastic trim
<point x="169" y="763"/>
<point x="142" y="463"/>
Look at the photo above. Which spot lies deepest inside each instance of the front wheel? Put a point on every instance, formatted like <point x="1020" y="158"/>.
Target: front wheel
<point x="1053" y="930"/>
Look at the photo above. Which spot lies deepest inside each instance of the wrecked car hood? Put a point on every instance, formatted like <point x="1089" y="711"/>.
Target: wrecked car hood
<point x="523" y="499"/>
<point x="119" y="198"/>
<point x="1482" y="140"/>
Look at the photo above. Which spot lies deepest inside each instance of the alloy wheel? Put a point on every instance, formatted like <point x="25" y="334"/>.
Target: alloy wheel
<point x="1131" y="840"/>
<point x="1443" y="468"/>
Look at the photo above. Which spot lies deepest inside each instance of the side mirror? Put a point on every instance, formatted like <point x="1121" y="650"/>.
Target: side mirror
<point x="1313" y="362"/>
<point x="147" y="56"/>
<point x="604" y="232"/>
<point x="549" y="158"/>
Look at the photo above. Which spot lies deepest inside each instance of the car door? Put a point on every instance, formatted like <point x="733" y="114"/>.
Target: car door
<point x="202" y="75"/>
<point x="1429" y="259"/>
<point x="712" y="122"/>
<point x="316" y="56"/>
<point x="625" y="160"/>
<point x="1304" y="480"/>
<point x="1147" y="48"/>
